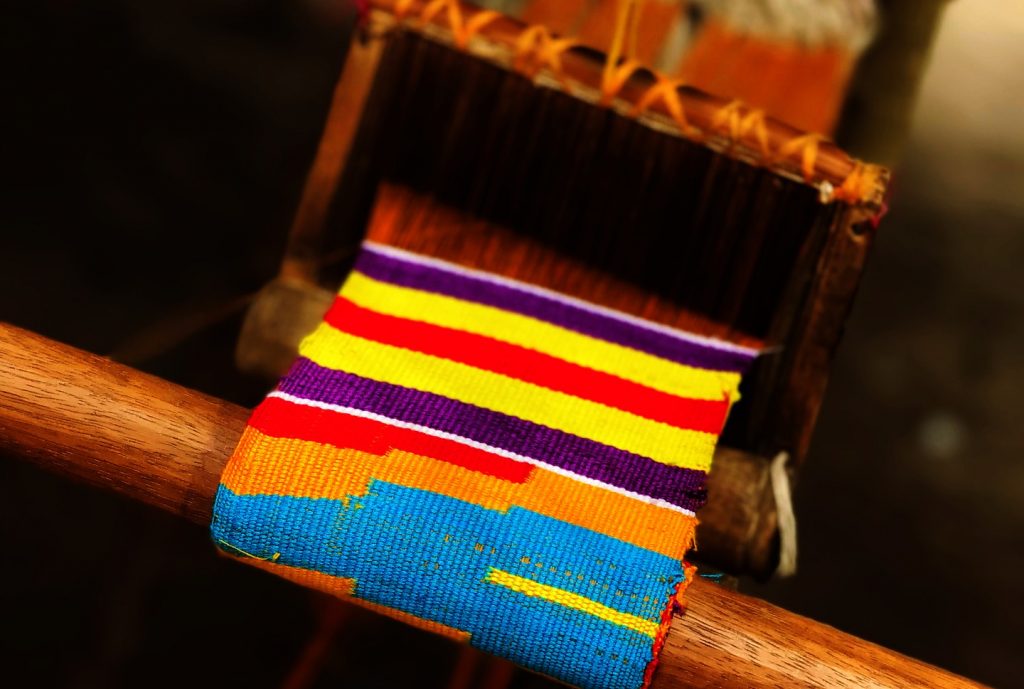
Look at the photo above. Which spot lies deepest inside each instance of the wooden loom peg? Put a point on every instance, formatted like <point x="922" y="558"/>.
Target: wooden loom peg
<point x="82" y="416"/>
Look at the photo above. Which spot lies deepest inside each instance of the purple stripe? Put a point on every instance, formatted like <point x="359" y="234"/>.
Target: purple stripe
<point x="394" y="270"/>
<point x="682" y="487"/>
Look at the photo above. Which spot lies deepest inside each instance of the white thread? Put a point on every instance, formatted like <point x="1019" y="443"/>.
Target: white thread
<point x="785" y="516"/>
<point x="657" y="502"/>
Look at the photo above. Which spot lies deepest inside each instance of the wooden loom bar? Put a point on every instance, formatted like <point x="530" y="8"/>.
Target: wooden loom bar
<point x="497" y="40"/>
<point x="84" y="416"/>
<point x="303" y="254"/>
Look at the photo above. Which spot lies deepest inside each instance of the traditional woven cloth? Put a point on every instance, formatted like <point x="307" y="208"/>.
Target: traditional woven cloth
<point x="489" y="460"/>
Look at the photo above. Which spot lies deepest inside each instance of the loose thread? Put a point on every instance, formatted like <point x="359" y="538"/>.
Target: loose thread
<point x="273" y="558"/>
<point x="636" y="10"/>
<point x="615" y="75"/>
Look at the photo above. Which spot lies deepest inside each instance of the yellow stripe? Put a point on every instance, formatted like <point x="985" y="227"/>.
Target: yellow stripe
<point x="575" y="601"/>
<point x="341" y="351"/>
<point x="438" y="309"/>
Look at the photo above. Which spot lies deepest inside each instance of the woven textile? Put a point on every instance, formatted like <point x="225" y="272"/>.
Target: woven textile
<point x="489" y="460"/>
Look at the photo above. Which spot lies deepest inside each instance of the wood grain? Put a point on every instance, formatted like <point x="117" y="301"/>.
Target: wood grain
<point x="110" y="426"/>
<point x="726" y="640"/>
<point x="105" y="424"/>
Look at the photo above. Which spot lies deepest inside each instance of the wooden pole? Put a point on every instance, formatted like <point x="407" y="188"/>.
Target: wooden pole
<point x="304" y="252"/>
<point x="83" y="416"/>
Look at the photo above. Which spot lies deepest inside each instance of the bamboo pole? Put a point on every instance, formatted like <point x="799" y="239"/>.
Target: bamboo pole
<point x="86" y="417"/>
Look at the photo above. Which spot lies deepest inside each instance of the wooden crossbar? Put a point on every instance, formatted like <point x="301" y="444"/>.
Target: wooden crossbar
<point x="105" y="424"/>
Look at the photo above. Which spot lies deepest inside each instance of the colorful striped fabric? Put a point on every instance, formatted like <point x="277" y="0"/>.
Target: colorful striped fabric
<point x="488" y="460"/>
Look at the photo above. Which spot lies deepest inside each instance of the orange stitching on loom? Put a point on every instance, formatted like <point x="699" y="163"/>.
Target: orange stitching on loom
<point x="536" y="48"/>
<point x="614" y="78"/>
<point x="615" y="75"/>
<point x="858" y="184"/>
<point x="738" y="124"/>
<point x="462" y="30"/>
<point x="667" y="91"/>
<point x="807" y="145"/>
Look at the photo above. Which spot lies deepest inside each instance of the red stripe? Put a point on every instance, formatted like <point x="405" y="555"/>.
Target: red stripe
<point x="283" y="419"/>
<point x="529" y="366"/>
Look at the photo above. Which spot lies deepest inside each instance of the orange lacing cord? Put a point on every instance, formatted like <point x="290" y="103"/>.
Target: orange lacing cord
<point x="807" y="146"/>
<point x="401" y="9"/>
<point x="633" y="30"/>
<point x="615" y="75"/>
<point x="735" y="120"/>
<point x="536" y="48"/>
<point x="666" y="90"/>
<point x="859" y="184"/>
<point x="462" y="29"/>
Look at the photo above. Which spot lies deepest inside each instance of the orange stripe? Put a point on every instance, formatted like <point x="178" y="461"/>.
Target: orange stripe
<point x="342" y="587"/>
<point x="414" y="621"/>
<point x="323" y="471"/>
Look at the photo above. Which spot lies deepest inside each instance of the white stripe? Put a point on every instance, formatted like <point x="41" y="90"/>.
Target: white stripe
<point x="565" y="299"/>
<point x="480" y="446"/>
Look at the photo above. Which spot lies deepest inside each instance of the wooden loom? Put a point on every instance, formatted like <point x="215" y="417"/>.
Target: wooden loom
<point x="95" y="421"/>
<point x="795" y="289"/>
<point x="165" y="445"/>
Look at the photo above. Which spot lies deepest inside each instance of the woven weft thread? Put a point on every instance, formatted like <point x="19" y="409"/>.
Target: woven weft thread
<point x="488" y="460"/>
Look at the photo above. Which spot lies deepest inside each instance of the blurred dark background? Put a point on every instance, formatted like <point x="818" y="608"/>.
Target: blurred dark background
<point x="153" y="154"/>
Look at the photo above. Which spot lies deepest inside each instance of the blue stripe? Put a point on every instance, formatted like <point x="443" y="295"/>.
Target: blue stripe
<point x="429" y="555"/>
